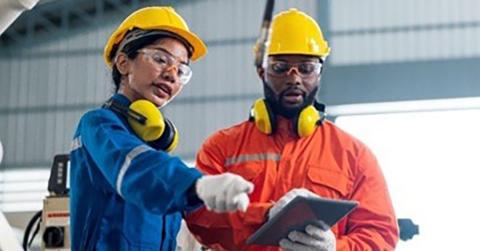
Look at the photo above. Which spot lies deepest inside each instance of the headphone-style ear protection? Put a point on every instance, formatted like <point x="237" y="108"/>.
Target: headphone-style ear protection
<point x="147" y="122"/>
<point x="304" y="124"/>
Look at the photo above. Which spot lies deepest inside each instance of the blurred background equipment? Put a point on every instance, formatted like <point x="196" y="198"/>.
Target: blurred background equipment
<point x="53" y="221"/>
<point x="55" y="227"/>
<point x="8" y="242"/>
<point x="262" y="42"/>
<point x="11" y="9"/>
<point x="407" y="229"/>
<point x="1" y="152"/>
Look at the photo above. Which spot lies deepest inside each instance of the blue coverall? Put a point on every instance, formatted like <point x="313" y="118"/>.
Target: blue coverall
<point x="125" y="195"/>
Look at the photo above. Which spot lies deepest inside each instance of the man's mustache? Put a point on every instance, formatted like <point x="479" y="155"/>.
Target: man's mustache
<point x="294" y="89"/>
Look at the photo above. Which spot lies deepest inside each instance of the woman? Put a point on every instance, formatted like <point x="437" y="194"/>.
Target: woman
<point x="127" y="193"/>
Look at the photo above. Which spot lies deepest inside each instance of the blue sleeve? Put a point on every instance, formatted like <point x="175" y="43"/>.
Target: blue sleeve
<point x="141" y="175"/>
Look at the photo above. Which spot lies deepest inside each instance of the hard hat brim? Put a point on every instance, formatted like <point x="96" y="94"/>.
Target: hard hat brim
<point x="322" y="54"/>
<point x="199" y="48"/>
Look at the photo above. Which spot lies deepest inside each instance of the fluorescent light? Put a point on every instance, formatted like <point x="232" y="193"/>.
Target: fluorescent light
<point x="405" y="106"/>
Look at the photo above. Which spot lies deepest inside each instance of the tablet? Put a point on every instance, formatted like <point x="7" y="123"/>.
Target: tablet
<point x="299" y="213"/>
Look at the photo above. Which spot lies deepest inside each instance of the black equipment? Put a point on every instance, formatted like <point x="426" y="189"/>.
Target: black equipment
<point x="262" y="42"/>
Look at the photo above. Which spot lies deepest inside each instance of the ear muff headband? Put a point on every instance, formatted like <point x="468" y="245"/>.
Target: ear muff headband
<point x="172" y="139"/>
<point x="304" y="125"/>
<point x="169" y="139"/>
<point x="148" y="123"/>
<point x="139" y="118"/>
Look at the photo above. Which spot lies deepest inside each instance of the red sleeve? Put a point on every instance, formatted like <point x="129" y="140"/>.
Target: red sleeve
<point x="373" y="225"/>
<point x="223" y="231"/>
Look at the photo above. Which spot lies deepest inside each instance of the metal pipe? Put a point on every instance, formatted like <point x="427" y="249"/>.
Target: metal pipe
<point x="1" y="152"/>
<point x="262" y="42"/>
<point x="11" y="10"/>
<point x="9" y="240"/>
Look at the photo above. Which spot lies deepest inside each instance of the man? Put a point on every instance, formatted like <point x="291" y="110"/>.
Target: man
<point x="286" y="149"/>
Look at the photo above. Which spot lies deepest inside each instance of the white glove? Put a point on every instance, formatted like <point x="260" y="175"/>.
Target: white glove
<point x="286" y="198"/>
<point x="314" y="239"/>
<point x="224" y="192"/>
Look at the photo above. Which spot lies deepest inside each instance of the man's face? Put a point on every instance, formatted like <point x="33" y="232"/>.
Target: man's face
<point x="291" y="82"/>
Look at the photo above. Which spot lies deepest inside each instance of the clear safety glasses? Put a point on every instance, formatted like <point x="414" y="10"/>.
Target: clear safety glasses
<point x="305" y="69"/>
<point x="164" y="60"/>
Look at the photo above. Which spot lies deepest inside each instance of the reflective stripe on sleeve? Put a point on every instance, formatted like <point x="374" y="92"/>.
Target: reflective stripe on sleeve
<point x="126" y="164"/>
<point x="76" y="143"/>
<point x="251" y="157"/>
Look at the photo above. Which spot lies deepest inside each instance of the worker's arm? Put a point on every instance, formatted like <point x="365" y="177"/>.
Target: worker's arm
<point x="227" y="231"/>
<point x="148" y="178"/>
<point x="373" y="225"/>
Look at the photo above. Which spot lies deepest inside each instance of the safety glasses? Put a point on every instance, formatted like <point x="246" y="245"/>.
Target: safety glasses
<point x="305" y="69"/>
<point x="165" y="60"/>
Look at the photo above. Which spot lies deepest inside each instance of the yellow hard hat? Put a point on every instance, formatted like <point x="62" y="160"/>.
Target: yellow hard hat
<point x="155" y="18"/>
<point x="294" y="32"/>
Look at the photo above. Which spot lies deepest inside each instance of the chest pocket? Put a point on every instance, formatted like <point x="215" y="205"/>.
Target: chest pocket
<point x="327" y="182"/>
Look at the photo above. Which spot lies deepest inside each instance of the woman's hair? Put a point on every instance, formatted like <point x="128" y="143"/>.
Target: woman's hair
<point x="131" y="50"/>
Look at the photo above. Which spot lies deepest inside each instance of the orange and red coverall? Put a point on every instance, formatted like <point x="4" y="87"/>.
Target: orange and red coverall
<point x="330" y="163"/>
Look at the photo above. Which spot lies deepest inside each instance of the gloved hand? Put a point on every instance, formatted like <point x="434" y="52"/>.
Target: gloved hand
<point x="224" y="192"/>
<point x="285" y="199"/>
<point x="314" y="239"/>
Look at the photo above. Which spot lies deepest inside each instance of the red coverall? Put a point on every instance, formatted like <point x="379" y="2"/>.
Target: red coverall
<point x="330" y="163"/>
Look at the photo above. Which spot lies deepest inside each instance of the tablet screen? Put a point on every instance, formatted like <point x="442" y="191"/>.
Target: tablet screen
<point x="299" y="213"/>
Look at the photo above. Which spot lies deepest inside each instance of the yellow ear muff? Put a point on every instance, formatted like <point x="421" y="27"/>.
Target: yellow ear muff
<point x="261" y="116"/>
<point x="307" y="121"/>
<point x="304" y="124"/>
<point x="174" y="142"/>
<point x="154" y="124"/>
<point x="169" y="139"/>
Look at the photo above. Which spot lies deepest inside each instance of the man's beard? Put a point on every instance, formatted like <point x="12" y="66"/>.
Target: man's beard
<point x="287" y="112"/>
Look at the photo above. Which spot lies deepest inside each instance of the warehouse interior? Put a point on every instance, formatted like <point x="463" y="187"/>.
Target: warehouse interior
<point x="402" y="76"/>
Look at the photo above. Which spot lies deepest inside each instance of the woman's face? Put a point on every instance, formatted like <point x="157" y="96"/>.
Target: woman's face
<point x="155" y="72"/>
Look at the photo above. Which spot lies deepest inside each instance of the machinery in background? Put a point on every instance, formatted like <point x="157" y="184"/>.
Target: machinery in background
<point x="1" y="152"/>
<point x="56" y="214"/>
<point x="263" y="39"/>
<point x="408" y="229"/>
<point x="8" y="240"/>
<point x="11" y="9"/>
<point x="53" y="221"/>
